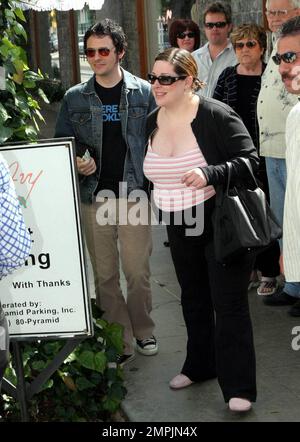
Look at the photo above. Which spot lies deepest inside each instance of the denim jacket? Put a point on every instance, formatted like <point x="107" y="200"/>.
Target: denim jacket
<point x="80" y="117"/>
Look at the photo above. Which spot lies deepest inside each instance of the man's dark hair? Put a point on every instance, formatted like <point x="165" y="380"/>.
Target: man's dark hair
<point x="218" y="8"/>
<point x="110" y="28"/>
<point x="290" y="27"/>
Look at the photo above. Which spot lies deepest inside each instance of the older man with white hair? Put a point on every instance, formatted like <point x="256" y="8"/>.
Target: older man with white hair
<point x="273" y="106"/>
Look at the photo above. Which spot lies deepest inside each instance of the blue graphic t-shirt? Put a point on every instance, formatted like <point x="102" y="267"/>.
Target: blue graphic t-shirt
<point x="113" y="146"/>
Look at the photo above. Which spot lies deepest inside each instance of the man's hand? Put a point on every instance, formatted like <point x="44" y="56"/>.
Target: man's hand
<point x="86" y="167"/>
<point x="194" y="178"/>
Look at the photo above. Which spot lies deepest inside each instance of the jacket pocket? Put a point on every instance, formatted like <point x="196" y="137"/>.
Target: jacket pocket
<point x="136" y="112"/>
<point x="80" y="118"/>
<point x="82" y="125"/>
<point x="136" y="120"/>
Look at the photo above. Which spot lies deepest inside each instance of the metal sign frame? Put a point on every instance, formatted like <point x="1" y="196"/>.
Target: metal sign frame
<point x="23" y="391"/>
<point x="74" y="317"/>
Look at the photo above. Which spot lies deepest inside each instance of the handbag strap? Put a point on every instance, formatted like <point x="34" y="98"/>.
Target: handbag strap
<point x="229" y="169"/>
<point x="247" y="163"/>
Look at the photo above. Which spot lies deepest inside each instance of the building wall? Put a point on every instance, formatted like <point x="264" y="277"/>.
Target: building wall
<point x="247" y="11"/>
<point x="124" y="13"/>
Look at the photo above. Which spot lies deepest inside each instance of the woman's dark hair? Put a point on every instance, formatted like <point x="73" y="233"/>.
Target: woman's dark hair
<point x="182" y="25"/>
<point x="110" y="28"/>
<point x="183" y="63"/>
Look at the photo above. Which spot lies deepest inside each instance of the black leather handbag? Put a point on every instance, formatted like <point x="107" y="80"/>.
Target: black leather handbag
<point x="242" y="219"/>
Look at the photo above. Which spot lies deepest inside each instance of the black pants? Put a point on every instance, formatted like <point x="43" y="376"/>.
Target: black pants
<point x="267" y="261"/>
<point x="216" y="312"/>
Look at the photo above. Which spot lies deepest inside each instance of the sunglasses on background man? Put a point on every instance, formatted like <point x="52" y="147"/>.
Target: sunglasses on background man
<point x="278" y="12"/>
<point x="217" y="24"/>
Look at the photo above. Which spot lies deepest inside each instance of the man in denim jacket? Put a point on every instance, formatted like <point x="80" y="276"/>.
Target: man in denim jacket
<point x="107" y="115"/>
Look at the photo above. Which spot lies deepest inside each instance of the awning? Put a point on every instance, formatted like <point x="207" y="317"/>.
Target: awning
<point x="59" y="5"/>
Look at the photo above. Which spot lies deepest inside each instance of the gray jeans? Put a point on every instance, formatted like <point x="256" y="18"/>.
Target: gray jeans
<point x="4" y="344"/>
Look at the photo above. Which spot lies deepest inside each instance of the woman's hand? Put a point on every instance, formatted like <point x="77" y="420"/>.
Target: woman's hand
<point x="86" y="167"/>
<point x="194" y="178"/>
<point x="281" y="264"/>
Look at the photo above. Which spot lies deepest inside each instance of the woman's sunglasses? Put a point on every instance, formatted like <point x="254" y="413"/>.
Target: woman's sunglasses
<point x="164" y="80"/>
<point x="287" y="57"/>
<point x="182" y="35"/>
<point x="248" y="44"/>
<point x="104" y="52"/>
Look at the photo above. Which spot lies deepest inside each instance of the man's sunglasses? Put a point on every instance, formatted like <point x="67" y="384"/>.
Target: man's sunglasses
<point x="104" y="52"/>
<point x="217" y="24"/>
<point x="287" y="57"/>
<point x="182" y="35"/>
<point x="249" y="44"/>
<point x="164" y="80"/>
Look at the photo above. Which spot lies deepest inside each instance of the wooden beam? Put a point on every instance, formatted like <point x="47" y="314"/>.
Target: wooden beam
<point x="265" y="24"/>
<point x="37" y="48"/>
<point x="140" y="11"/>
<point x="74" y="47"/>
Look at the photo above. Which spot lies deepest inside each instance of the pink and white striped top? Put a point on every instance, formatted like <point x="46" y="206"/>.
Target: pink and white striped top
<point x="169" y="193"/>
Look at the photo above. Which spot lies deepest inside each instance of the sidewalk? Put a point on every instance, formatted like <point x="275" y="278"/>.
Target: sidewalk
<point x="149" y="398"/>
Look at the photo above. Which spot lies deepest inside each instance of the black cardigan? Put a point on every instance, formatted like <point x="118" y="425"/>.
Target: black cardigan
<point x="221" y="136"/>
<point x="226" y="91"/>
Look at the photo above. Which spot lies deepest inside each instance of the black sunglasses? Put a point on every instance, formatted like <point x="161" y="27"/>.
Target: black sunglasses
<point x="164" y="80"/>
<point x="104" y="52"/>
<point x="182" y="35"/>
<point x="287" y="57"/>
<point x="217" y="24"/>
<point x="248" y="44"/>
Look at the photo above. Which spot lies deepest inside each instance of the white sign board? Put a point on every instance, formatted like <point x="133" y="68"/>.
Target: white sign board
<point x="48" y="297"/>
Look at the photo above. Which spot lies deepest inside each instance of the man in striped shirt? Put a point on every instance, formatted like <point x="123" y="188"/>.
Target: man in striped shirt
<point x="15" y="244"/>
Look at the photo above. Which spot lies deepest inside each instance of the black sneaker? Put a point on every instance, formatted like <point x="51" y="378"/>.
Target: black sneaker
<point x="124" y="359"/>
<point x="295" y="310"/>
<point x="280" y="299"/>
<point x="147" y="346"/>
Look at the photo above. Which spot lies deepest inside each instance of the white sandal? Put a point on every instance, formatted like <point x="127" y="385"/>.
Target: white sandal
<point x="267" y="287"/>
